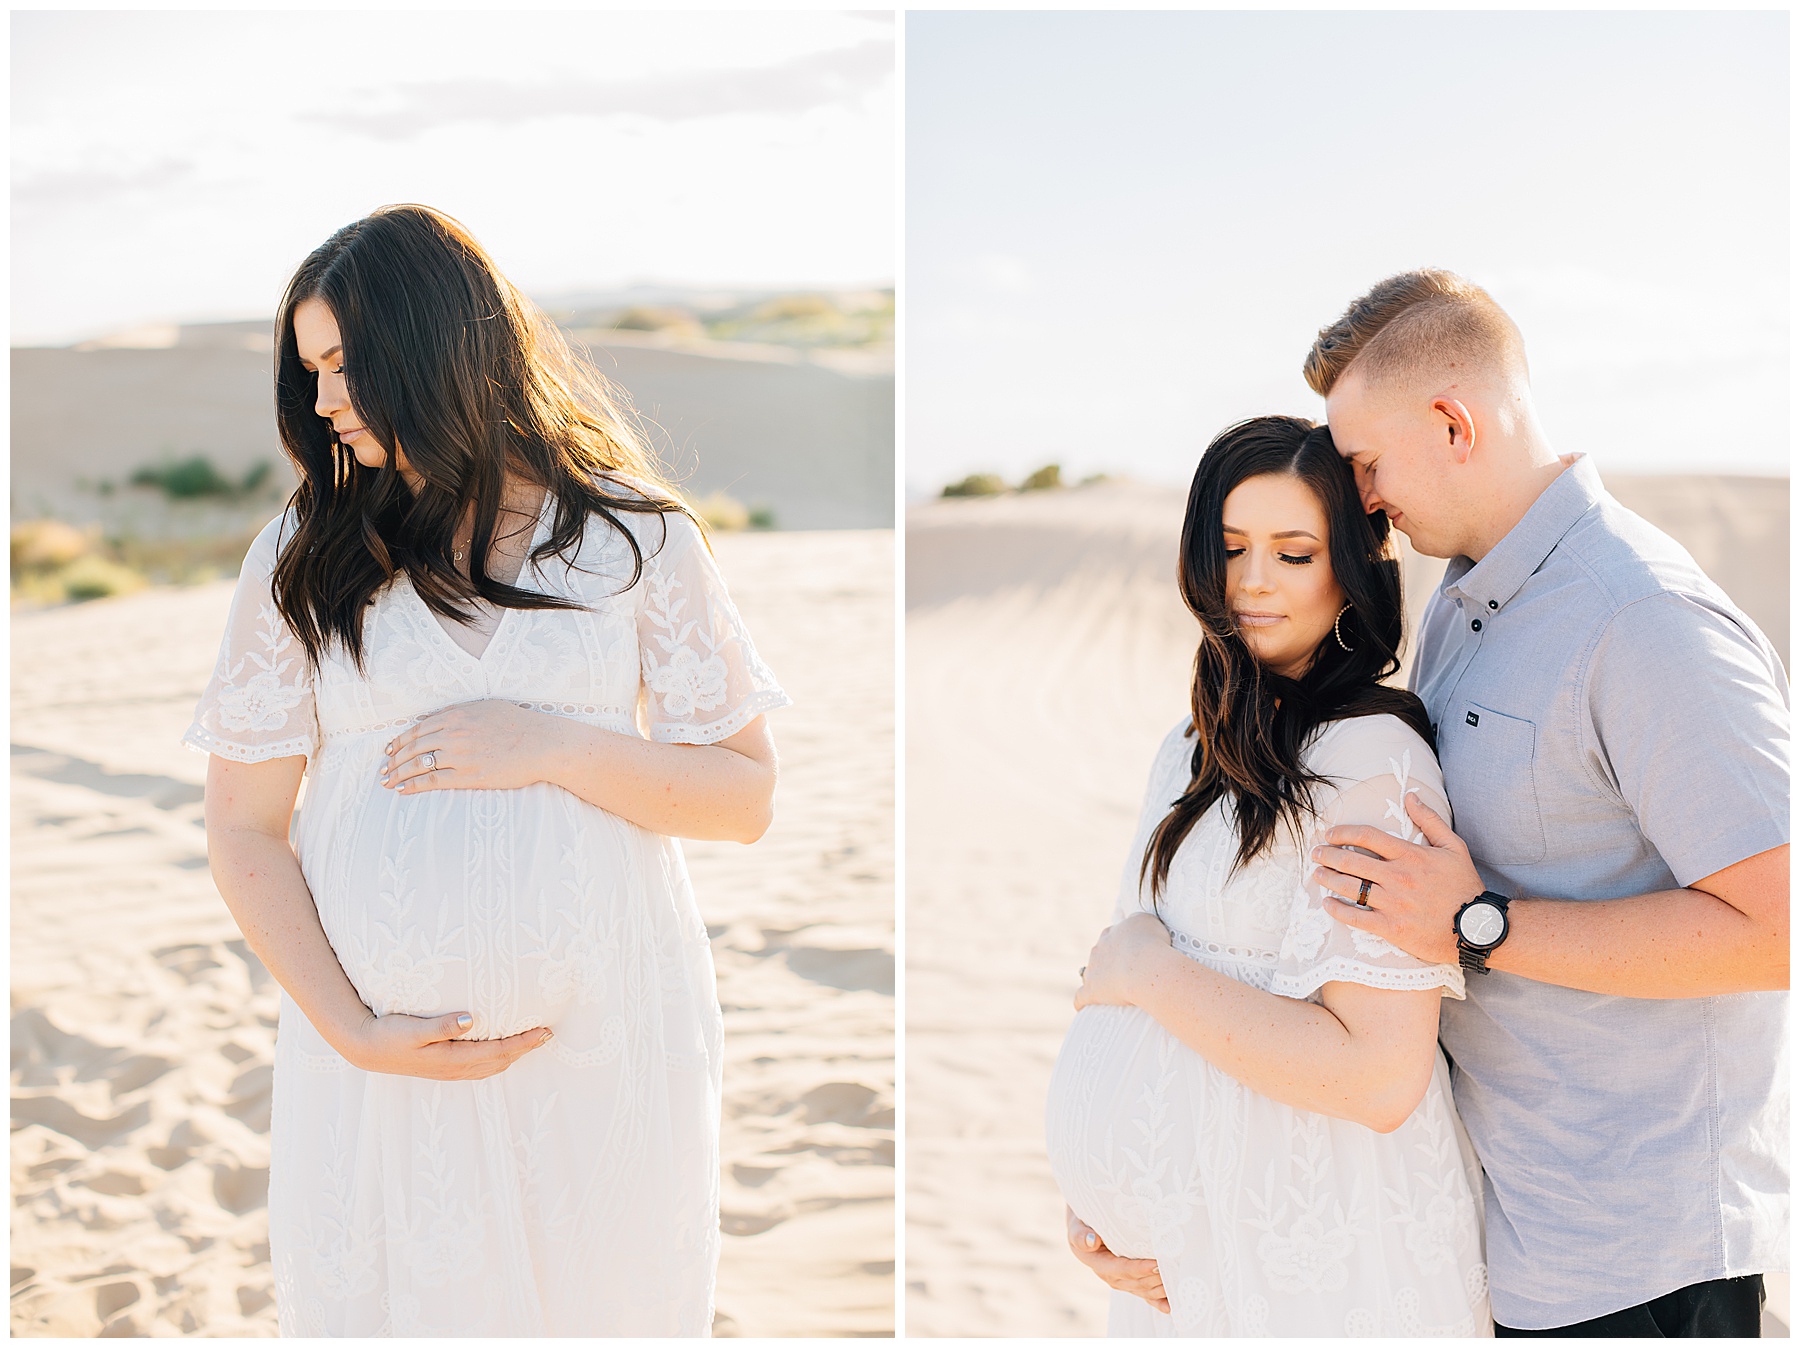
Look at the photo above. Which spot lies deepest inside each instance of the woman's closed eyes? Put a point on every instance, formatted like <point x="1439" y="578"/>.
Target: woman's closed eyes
<point x="1280" y="556"/>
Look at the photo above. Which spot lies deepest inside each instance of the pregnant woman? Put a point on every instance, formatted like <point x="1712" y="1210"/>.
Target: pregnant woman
<point x="502" y="657"/>
<point x="1250" y="1119"/>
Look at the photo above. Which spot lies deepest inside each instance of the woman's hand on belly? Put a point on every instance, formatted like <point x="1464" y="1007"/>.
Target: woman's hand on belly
<point x="1140" y="1277"/>
<point x="429" y="1046"/>
<point x="1115" y="966"/>
<point x="490" y="745"/>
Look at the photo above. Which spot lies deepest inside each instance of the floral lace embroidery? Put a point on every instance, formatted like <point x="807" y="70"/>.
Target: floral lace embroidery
<point x="344" y="1257"/>
<point x="577" y="950"/>
<point x="1308" y="1235"/>
<point x="262" y="702"/>
<point x="444" y="1235"/>
<point x="688" y="682"/>
<point x="400" y="972"/>
<point x="1141" y="1167"/>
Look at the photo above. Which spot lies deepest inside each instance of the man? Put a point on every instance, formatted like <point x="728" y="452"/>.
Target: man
<point x="1613" y="733"/>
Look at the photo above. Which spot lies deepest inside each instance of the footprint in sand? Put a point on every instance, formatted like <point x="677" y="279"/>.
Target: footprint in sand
<point x="61" y="1117"/>
<point x="250" y="1097"/>
<point x="241" y="1189"/>
<point x="753" y="1176"/>
<point x="845" y="1102"/>
<point x="847" y="970"/>
<point x="750" y="1223"/>
<point x="117" y="1183"/>
<point x="190" y="961"/>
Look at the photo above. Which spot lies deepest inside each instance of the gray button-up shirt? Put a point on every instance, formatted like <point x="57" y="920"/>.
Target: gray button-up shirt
<point x="1610" y="724"/>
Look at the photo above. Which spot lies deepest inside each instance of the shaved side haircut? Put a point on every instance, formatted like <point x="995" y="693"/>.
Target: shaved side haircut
<point x="1415" y="322"/>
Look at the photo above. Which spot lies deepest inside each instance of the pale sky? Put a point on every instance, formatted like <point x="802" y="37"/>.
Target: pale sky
<point x="172" y="166"/>
<point x="1124" y="230"/>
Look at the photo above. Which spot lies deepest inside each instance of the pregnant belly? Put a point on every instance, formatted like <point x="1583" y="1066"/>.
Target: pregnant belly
<point x="523" y="908"/>
<point x="1130" y="1118"/>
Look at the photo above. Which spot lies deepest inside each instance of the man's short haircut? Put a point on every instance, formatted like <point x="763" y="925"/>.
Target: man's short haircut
<point x="1415" y="321"/>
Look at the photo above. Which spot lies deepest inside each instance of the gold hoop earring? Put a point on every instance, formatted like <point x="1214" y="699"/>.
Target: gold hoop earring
<point x="1337" y="629"/>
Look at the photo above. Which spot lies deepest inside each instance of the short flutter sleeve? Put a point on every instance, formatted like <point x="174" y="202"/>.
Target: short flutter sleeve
<point x="1371" y="764"/>
<point x="702" y="679"/>
<point x="258" y="704"/>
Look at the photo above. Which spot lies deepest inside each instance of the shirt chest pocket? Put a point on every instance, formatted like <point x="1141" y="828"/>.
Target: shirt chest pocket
<point x="1490" y="769"/>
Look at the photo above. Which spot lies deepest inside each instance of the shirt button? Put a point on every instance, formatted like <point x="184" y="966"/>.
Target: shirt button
<point x="1475" y="626"/>
<point x="1493" y="603"/>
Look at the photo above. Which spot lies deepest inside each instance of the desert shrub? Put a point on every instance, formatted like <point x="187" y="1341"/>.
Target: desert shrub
<point x="977" y="484"/>
<point x="94" y="577"/>
<point x="183" y="560"/>
<point x="186" y="479"/>
<point x="194" y="476"/>
<point x="722" y="513"/>
<point x="44" y="545"/>
<point x="793" y="306"/>
<point x="654" y="318"/>
<point x="1050" y="475"/>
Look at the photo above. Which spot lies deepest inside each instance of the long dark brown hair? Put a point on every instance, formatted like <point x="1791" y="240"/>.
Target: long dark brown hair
<point x="1250" y="723"/>
<point x="444" y="359"/>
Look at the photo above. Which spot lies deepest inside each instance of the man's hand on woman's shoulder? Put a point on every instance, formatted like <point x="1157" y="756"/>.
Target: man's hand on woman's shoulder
<point x="1414" y="888"/>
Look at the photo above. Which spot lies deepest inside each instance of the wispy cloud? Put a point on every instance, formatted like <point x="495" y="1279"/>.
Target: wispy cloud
<point x="91" y="186"/>
<point x="818" y="79"/>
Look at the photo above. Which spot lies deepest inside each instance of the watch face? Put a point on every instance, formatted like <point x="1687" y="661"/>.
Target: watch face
<point x="1481" y="924"/>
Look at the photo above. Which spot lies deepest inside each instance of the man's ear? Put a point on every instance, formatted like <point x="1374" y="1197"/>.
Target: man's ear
<point x="1458" y="426"/>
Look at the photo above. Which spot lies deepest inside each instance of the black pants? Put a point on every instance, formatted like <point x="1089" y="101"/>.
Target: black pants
<point x="1726" y="1308"/>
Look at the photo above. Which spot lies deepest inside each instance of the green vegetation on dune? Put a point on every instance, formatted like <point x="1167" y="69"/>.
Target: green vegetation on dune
<point x="1047" y="478"/>
<point x="805" y="319"/>
<point x="186" y="479"/>
<point x="726" y="514"/>
<point x="977" y="484"/>
<point x="54" y="562"/>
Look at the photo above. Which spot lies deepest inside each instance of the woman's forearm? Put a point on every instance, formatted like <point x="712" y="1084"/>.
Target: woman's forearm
<point x="260" y="880"/>
<point x="1298" y="1052"/>
<point x="724" y="791"/>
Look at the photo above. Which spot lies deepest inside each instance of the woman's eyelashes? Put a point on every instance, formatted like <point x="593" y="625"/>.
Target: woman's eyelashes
<point x="1280" y="556"/>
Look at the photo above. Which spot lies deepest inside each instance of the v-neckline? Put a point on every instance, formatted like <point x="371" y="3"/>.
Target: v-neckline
<point x="443" y="626"/>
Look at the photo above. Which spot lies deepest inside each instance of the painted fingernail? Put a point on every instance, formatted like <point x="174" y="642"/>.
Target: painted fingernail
<point x="388" y="748"/>
<point x="1092" y="1240"/>
<point x="465" y="1021"/>
<point x="548" y="1036"/>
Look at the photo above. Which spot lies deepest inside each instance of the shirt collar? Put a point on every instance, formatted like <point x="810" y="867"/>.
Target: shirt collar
<point x="1497" y="577"/>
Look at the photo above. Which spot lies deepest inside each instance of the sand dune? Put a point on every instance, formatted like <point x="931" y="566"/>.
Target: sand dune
<point x="143" y="1029"/>
<point x="1047" y="654"/>
<point x="811" y="437"/>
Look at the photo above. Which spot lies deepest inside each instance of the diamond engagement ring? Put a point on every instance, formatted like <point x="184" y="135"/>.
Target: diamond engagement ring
<point x="430" y="760"/>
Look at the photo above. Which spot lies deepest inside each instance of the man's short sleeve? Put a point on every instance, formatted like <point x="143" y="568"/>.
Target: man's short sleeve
<point x="1688" y="707"/>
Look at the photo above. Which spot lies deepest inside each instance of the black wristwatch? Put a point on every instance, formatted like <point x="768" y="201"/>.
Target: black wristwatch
<point x="1480" y="926"/>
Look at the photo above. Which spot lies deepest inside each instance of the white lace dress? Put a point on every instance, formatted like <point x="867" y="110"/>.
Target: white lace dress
<point x="576" y="1193"/>
<point x="1266" y="1219"/>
